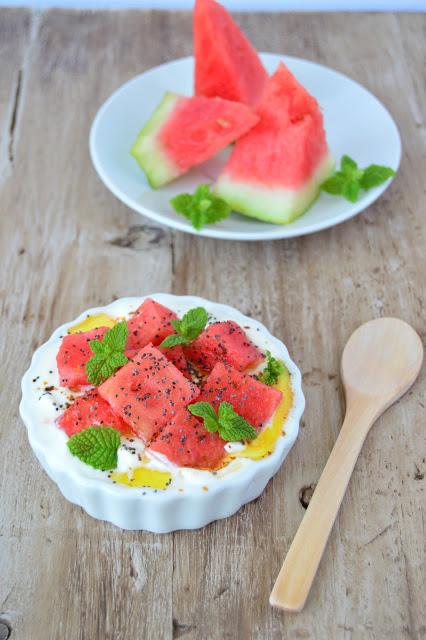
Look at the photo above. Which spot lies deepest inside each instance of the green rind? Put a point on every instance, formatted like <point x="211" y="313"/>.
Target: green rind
<point x="273" y="204"/>
<point x="146" y="149"/>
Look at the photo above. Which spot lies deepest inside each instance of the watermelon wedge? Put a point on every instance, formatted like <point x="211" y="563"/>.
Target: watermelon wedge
<point x="183" y="132"/>
<point x="223" y="342"/>
<point x="252" y="399"/>
<point x="226" y="64"/>
<point x="276" y="169"/>
<point x="147" y="392"/>
<point x="186" y="442"/>
<point x="73" y="354"/>
<point x="90" y="410"/>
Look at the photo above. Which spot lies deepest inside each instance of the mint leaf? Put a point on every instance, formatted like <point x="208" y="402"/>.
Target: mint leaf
<point x="334" y="185"/>
<point x="349" y="180"/>
<point x="347" y="165"/>
<point x="173" y="340"/>
<point x="96" y="446"/>
<point x="205" y="410"/>
<point x="374" y="175"/>
<point x="187" y="329"/>
<point x="274" y="368"/>
<point x="115" y="338"/>
<point x="232" y="426"/>
<point x="202" y="207"/>
<point x="193" y="322"/>
<point x="229" y="424"/>
<point x="108" y="354"/>
<point x="350" y="190"/>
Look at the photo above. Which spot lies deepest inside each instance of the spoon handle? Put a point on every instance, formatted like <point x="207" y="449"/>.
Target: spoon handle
<point x="300" y="566"/>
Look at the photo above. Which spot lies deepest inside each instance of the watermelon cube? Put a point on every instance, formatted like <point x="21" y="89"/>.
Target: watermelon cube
<point x="148" y="391"/>
<point x="73" y="354"/>
<point x="149" y="324"/>
<point x="226" y="63"/>
<point x="223" y="342"/>
<point x="186" y="442"/>
<point x="252" y="399"/>
<point x="90" y="410"/>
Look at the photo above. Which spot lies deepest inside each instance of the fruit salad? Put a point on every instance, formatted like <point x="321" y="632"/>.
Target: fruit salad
<point x="158" y="398"/>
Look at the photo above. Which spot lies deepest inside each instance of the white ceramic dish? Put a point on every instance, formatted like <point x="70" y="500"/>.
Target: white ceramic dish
<point x="356" y="123"/>
<point x="134" y="508"/>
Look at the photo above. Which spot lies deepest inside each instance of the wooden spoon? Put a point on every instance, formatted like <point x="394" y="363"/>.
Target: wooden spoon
<point x="380" y="362"/>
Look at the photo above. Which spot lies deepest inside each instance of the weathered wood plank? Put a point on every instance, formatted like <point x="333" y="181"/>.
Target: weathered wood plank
<point x="313" y="292"/>
<point x="67" y="244"/>
<point x="15" y="36"/>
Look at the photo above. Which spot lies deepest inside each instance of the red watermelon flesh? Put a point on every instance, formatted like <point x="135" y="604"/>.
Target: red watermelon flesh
<point x="149" y="324"/>
<point x="73" y="354"/>
<point x="275" y="170"/>
<point x="175" y="355"/>
<point x="226" y="64"/>
<point x="223" y="342"/>
<point x="90" y="410"/>
<point x="252" y="399"/>
<point x="148" y="391"/>
<point x="186" y="442"/>
<point x="183" y="132"/>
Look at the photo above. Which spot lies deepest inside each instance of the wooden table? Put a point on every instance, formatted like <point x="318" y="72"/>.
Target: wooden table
<point x="67" y="244"/>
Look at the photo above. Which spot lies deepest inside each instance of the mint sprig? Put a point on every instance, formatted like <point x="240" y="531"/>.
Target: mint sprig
<point x="108" y="354"/>
<point x="350" y="179"/>
<point x="187" y="329"/>
<point x="201" y="207"/>
<point x="229" y="424"/>
<point x="274" y="368"/>
<point x="96" y="446"/>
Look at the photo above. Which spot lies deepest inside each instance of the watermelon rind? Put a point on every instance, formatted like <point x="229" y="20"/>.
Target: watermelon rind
<point x="147" y="151"/>
<point x="275" y="204"/>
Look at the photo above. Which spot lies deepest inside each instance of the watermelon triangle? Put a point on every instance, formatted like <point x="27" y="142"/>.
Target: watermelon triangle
<point x="183" y="132"/>
<point x="276" y="169"/>
<point x="226" y="64"/>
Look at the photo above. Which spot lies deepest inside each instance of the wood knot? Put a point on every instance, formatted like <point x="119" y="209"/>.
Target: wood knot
<point x="306" y="493"/>
<point x="5" y="629"/>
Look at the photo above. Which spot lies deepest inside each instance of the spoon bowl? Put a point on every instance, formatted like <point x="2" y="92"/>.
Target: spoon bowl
<point x="380" y="362"/>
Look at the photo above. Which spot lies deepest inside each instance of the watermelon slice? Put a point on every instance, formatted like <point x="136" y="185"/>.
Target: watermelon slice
<point x="90" y="410"/>
<point x="276" y="169"/>
<point x="223" y="342"/>
<point x="186" y="442"/>
<point x="252" y="399"/>
<point x="73" y="354"/>
<point x="183" y="132"/>
<point x="226" y="64"/>
<point x="148" y="391"/>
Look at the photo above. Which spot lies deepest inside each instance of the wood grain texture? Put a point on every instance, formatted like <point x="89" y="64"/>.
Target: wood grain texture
<point x="67" y="244"/>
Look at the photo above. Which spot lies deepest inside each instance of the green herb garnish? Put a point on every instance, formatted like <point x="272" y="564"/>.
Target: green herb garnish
<point x="349" y="179"/>
<point x="229" y="424"/>
<point x="108" y="354"/>
<point x="96" y="446"/>
<point x="201" y="207"/>
<point x="187" y="329"/>
<point x="274" y="368"/>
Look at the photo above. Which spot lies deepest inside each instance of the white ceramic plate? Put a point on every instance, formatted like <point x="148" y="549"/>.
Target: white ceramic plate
<point x="356" y="123"/>
<point x="144" y="508"/>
